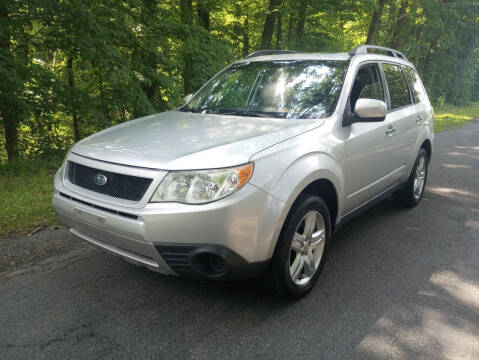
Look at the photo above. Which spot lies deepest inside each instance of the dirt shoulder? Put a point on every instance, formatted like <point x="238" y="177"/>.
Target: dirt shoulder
<point x="17" y="251"/>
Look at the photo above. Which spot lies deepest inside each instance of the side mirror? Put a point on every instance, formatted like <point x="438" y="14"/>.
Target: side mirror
<point x="370" y="110"/>
<point x="187" y="98"/>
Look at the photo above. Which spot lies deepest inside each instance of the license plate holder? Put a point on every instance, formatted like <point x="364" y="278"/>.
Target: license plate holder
<point x="90" y="217"/>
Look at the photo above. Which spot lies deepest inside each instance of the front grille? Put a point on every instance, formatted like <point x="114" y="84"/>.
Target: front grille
<point x="116" y="185"/>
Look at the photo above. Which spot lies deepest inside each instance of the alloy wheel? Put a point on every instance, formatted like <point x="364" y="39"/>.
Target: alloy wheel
<point x="307" y="248"/>
<point x="420" y="178"/>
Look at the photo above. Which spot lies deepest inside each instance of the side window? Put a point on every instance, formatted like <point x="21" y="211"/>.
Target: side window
<point x="398" y="89"/>
<point x="367" y="84"/>
<point x="416" y="84"/>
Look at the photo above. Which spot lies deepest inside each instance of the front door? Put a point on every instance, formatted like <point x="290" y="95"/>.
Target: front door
<point x="368" y="169"/>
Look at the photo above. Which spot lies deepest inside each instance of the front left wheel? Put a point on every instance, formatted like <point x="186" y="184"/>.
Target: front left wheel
<point x="301" y="249"/>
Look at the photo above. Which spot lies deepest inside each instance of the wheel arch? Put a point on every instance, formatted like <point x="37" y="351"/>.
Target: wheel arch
<point x="426" y="145"/>
<point x="325" y="189"/>
<point x="424" y="141"/>
<point x="324" y="186"/>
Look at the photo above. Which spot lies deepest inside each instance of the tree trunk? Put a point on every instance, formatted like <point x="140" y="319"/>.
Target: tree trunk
<point x="203" y="14"/>
<point x="11" y="137"/>
<point x="188" y="68"/>
<point x="303" y="7"/>
<point x="457" y="92"/>
<point x="278" y="31"/>
<point x="5" y="36"/>
<point x="9" y="120"/>
<point x="71" y="85"/>
<point x="290" y="28"/>
<point x="246" y="38"/>
<point x="148" y="17"/>
<point x="426" y="66"/>
<point x="375" y="22"/>
<point x="54" y="60"/>
<point x="186" y="12"/>
<point x="102" y="97"/>
<point x="419" y="36"/>
<point x="401" y="21"/>
<point x="150" y="92"/>
<point x="268" y="28"/>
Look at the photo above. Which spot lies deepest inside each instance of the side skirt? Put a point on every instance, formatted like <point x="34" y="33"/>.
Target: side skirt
<point x="351" y="214"/>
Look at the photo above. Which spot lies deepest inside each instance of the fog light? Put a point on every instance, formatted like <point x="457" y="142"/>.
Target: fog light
<point x="209" y="264"/>
<point x="217" y="264"/>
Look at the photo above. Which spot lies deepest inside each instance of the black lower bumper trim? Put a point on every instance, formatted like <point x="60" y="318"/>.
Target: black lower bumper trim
<point x="208" y="261"/>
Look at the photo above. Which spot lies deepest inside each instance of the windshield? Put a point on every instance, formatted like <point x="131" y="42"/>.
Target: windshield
<point x="284" y="89"/>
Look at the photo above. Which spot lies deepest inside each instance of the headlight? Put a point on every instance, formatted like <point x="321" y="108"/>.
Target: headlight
<point x="64" y="164"/>
<point x="201" y="186"/>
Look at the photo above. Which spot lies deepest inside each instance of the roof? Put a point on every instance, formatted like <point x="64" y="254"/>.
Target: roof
<point x="372" y="52"/>
<point x="299" y="56"/>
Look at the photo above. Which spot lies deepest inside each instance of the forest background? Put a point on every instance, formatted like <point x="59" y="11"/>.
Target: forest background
<point x="69" y="68"/>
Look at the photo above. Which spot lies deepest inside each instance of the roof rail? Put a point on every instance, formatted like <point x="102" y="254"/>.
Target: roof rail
<point x="363" y="49"/>
<point x="269" y="52"/>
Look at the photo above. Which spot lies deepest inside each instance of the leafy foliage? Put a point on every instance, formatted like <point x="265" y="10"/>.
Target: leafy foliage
<point x="69" y="68"/>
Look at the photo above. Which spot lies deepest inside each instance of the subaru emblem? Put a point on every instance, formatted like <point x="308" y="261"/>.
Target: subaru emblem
<point x="100" y="179"/>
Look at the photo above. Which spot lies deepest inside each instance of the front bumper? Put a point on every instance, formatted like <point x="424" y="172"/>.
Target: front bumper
<point x="178" y="239"/>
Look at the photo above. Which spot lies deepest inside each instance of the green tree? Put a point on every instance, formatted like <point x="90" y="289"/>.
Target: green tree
<point x="72" y="67"/>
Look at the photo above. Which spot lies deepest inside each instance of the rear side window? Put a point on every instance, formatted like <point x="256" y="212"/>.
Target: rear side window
<point x="398" y="89"/>
<point x="416" y="84"/>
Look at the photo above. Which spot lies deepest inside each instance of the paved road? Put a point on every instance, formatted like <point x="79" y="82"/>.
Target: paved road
<point x="398" y="284"/>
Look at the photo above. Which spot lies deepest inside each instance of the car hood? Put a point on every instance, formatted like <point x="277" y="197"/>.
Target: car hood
<point x="178" y="140"/>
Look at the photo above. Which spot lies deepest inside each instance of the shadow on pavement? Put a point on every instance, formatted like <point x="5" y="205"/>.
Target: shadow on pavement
<point x="398" y="283"/>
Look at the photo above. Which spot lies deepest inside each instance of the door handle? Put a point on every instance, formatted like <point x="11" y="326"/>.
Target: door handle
<point x="419" y="119"/>
<point x="390" y="130"/>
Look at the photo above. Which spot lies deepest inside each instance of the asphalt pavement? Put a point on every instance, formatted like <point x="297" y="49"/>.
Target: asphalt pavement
<point x="398" y="284"/>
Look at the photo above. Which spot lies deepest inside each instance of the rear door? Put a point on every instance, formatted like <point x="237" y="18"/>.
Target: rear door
<point x="421" y="102"/>
<point x="400" y="120"/>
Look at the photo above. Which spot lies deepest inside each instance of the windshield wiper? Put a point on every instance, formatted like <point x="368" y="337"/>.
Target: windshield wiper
<point x="191" y="110"/>
<point x="228" y="112"/>
<point x="244" y="113"/>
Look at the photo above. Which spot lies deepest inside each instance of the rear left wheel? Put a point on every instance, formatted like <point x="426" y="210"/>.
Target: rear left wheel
<point x="412" y="192"/>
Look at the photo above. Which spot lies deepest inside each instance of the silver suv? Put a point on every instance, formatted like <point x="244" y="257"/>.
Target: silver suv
<point x="255" y="172"/>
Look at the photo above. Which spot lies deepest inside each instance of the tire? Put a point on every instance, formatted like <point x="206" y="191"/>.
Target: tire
<point x="410" y="195"/>
<point x="288" y="257"/>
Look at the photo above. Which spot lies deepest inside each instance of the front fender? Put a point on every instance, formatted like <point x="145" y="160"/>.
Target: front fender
<point x="284" y="175"/>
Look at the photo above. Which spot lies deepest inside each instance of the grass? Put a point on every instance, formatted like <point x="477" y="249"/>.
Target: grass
<point x="26" y="186"/>
<point x="26" y="190"/>
<point x="450" y="116"/>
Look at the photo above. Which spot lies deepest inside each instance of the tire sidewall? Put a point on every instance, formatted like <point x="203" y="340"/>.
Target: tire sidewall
<point x="422" y="153"/>
<point x="304" y="205"/>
